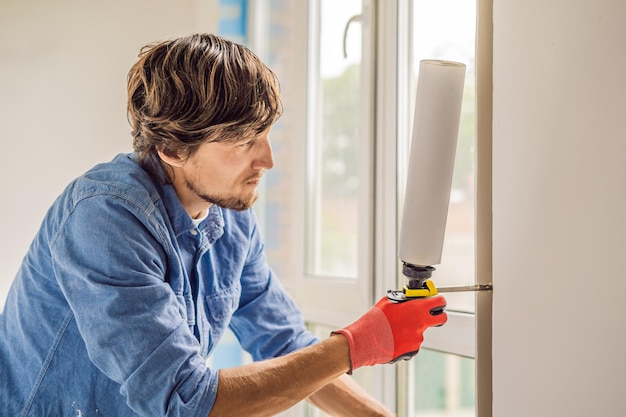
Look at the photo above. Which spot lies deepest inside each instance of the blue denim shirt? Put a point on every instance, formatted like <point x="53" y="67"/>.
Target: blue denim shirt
<point x="120" y="300"/>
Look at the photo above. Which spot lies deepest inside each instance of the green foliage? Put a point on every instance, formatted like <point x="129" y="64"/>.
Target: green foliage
<point x="340" y="119"/>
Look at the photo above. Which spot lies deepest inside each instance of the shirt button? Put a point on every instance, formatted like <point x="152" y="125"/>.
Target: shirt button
<point x="193" y="232"/>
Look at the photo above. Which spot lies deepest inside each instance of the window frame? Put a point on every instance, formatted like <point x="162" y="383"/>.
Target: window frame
<point x="335" y="300"/>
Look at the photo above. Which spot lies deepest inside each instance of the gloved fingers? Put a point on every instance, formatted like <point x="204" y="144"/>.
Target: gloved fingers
<point x="427" y="312"/>
<point x="405" y="357"/>
<point x="432" y="303"/>
<point x="423" y="302"/>
<point x="438" y="316"/>
<point x="437" y="310"/>
<point x="439" y="319"/>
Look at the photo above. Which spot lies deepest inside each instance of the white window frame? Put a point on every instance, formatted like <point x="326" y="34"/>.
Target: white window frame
<point x="333" y="300"/>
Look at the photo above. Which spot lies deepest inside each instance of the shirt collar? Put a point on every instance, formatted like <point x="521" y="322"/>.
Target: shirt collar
<point x="212" y="226"/>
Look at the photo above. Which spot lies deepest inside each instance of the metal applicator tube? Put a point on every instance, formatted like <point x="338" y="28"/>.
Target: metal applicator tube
<point x="431" y="164"/>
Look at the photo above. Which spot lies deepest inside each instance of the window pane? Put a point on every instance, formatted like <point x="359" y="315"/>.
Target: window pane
<point x="228" y="353"/>
<point x="445" y="29"/>
<point x="443" y="385"/>
<point x="332" y="172"/>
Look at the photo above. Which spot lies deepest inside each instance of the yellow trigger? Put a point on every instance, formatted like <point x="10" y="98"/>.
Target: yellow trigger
<point x="427" y="290"/>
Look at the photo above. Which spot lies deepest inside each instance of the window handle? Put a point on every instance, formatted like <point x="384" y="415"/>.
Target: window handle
<point x="356" y="18"/>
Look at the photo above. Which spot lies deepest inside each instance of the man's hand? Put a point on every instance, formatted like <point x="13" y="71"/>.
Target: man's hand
<point x="391" y="331"/>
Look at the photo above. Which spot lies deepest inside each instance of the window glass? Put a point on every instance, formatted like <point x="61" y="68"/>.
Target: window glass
<point x="443" y="385"/>
<point x="332" y="157"/>
<point x="228" y="353"/>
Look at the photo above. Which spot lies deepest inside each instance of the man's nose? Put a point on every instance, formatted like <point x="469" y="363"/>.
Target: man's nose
<point x="265" y="157"/>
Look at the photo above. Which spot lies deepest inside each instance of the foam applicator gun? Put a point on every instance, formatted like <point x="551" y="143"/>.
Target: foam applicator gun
<point x="431" y="163"/>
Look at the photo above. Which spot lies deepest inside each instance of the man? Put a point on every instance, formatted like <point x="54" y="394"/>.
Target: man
<point x="143" y="261"/>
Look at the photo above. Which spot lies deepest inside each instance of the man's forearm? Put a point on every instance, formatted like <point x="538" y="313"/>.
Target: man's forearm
<point x="345" y="398"/>
<point x="268" y="387"/>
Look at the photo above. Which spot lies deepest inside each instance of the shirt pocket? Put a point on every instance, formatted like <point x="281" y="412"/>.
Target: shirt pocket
<point x="219" y="307"/>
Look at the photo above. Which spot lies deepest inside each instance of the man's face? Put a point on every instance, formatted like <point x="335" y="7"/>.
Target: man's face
<point x="225" y="174"/>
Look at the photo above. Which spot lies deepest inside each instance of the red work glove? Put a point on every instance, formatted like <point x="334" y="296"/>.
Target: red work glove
<point x="391" y="331"/>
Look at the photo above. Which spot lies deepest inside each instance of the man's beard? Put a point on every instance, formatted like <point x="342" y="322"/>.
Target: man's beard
<point x="228" y="202"/>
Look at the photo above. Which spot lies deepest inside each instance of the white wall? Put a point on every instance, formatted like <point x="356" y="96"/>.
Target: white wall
<point x="559" y="204"/>
<point x="63" y="67"/>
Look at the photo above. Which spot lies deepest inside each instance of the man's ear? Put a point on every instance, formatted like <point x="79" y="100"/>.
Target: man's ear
<point x="171" y="158"/>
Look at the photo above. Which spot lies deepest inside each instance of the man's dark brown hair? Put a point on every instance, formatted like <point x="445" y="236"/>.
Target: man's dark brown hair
<point x="194" y="89"/>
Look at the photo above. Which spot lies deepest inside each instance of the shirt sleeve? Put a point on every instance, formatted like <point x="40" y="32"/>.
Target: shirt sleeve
<point x="268" y="322"/>
<point x="110" y="261"/>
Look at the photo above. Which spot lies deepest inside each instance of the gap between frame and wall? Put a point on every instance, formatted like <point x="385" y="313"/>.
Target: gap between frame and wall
<point x="484" y="248"/>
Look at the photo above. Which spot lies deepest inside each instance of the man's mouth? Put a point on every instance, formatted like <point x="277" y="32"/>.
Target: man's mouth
<point x="253" y="180"/>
